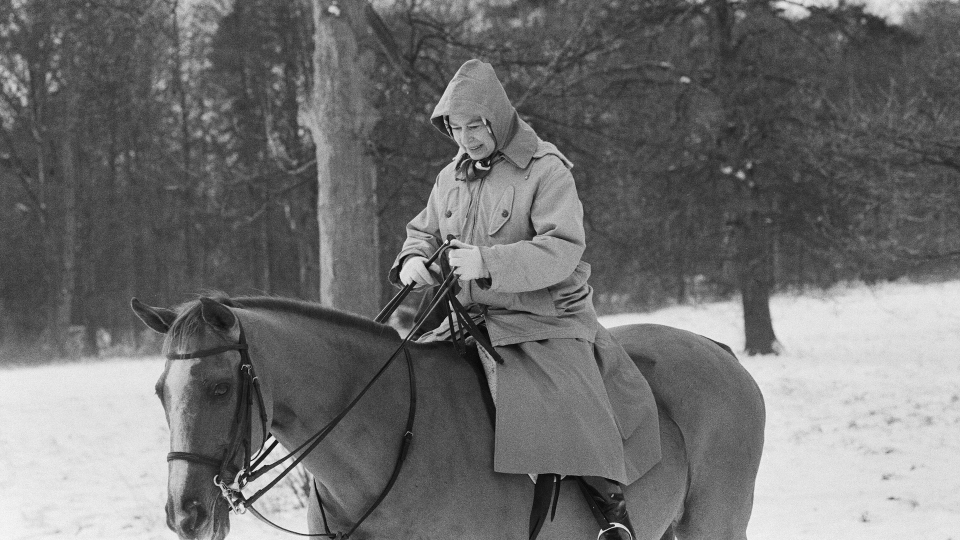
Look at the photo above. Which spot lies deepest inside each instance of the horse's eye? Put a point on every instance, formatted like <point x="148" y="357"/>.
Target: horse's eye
<point x="221" y="389"/>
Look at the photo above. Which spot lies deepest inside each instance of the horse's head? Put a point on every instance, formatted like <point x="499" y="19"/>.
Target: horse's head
<point x="202" y="403"/>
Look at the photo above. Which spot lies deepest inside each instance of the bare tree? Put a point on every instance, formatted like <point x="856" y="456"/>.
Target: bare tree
<point x="340" y="116"/>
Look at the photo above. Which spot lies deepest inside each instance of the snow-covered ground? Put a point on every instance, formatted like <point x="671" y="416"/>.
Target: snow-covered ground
<point x="863" y="410"/>
<point x="863" y="427"/>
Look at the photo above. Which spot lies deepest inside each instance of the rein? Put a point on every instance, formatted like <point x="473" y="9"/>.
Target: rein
<point x="251" y="470"/>
<point x="250" y="385"/>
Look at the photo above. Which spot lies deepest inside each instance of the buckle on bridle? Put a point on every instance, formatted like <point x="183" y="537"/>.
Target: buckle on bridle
<point x="248" y="369"/>
<point x="232" y="494"/>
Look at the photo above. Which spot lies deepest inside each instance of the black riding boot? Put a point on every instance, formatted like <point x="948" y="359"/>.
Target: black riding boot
<point x="608" y="496"/>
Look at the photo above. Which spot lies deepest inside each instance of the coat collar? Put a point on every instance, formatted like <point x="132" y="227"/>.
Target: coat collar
<point x="522" y="144"/>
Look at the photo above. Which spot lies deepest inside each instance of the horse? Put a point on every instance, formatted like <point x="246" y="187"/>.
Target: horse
<point x="312" y="361"/>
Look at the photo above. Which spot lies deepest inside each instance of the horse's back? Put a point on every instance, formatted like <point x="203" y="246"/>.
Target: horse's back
<point x="682" y="366"/>
<point x="719" y="410"/>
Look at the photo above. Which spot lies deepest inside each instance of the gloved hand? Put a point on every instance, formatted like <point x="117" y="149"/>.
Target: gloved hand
<point x="466" y="262"/>
<point x="415" y="271"/>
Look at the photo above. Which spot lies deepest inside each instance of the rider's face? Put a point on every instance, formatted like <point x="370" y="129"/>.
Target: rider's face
<point x="472" y="135"/>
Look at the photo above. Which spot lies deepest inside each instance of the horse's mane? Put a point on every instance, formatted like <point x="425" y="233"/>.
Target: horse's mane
<point x="190" y="320"/>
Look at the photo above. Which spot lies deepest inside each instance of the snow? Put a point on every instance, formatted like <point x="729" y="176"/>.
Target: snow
<point x="83" y="455"/>
<point x="892" y="10"/>
<point x="863" y="427"/>
<point x="863" y="410"/>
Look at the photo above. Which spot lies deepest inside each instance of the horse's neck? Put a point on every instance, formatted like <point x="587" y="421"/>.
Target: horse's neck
<point x="452" y="443"/>
<point x="316" y="371"/>
<point x="312" y="371"/>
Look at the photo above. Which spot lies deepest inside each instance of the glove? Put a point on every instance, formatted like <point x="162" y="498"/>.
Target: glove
<point x="466" y="262"/>
<point x="415" y="271"/>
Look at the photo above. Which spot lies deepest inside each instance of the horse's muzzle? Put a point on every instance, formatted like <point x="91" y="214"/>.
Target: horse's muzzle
<point x="192" y="520"/>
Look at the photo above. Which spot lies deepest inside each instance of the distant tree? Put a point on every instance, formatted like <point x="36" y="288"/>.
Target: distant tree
<point x="45" y="82"/>
<point x="77" y="93"/>
<point x="156" y="149"/>
<point x="259" y="64"/>
<point x="885" y="122"/>
<point x="913" y="120"/>
<point x="770" y="77"/>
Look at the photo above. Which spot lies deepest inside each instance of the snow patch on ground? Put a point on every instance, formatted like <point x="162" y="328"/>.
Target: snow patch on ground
<point x="83" y="455"/>
<point x="863" y="410"/>
<point x="863" y="427"/>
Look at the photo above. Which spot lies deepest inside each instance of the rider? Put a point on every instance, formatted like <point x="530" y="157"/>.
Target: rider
<point x="568" y="396"/>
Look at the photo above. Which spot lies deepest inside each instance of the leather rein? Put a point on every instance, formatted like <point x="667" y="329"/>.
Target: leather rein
<point x="252" y="467"/>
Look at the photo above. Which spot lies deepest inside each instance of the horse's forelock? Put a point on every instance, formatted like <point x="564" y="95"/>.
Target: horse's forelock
<point x="189" y="322"/>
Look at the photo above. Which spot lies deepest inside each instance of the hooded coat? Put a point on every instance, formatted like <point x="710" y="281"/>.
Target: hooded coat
<point x="556" y="411"/>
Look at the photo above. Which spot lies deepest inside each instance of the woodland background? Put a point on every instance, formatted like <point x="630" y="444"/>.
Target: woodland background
<point x="723" y="148"/>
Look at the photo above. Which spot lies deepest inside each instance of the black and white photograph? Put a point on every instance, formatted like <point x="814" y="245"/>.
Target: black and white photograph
<point x="480" y="269"/>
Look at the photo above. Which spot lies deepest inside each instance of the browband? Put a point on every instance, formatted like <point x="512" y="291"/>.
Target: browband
<point x="207" y="352"/>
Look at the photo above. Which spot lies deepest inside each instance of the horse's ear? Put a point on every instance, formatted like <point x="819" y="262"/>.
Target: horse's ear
<point x="217" y="315"/>
<point x="158" y="319"/>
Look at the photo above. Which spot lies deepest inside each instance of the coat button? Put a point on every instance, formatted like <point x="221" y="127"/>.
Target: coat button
<point x="449" y="213"/>
<point x="505" y="213"/>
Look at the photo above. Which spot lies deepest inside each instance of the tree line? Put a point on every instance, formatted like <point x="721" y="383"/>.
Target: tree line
<point x="160" y="148"/>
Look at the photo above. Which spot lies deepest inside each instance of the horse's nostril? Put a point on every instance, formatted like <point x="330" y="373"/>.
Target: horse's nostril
<point x="194" y="517"/>
<point x="171" y="516"/>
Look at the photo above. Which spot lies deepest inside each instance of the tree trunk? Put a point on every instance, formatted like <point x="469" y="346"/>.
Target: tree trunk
<point x="265" y="256"/>
<point x="755" y="270"/>
<point x="179" y="78"/>
<point x="340" y="118"/>
<point x="307" y="260"/>
<point x="67" y="283"/>
<point x="749" y="206"/>
<point x="130" y="235"/>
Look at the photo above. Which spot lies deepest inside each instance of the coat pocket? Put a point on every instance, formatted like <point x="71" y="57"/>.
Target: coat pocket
<point x="501" y="212"/>
<point x="450" y="214"/>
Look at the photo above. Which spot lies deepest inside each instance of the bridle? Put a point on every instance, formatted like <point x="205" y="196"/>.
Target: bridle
<point x="252" y="467"/>
<point x="241" y="431"/>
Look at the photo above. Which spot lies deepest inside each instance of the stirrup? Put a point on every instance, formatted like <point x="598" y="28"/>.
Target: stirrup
<point x="618" y="527"/>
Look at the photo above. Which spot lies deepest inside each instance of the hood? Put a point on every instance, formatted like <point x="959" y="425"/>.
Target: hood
<point x="475" y="89"/>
